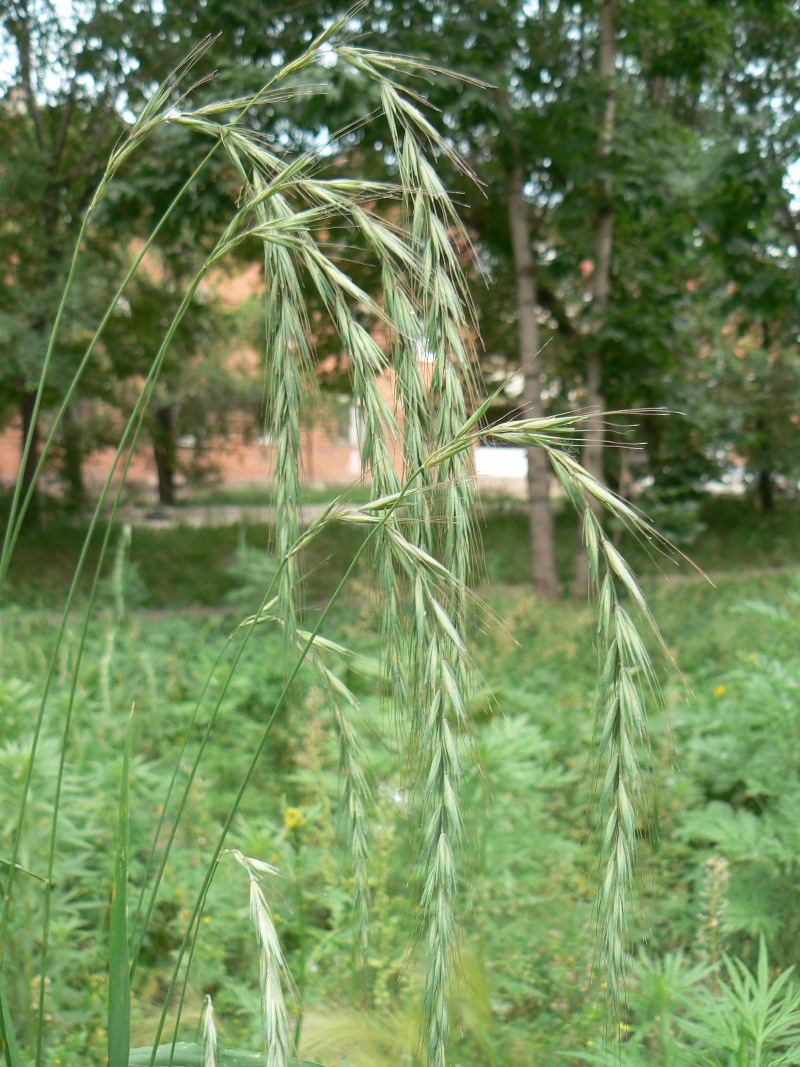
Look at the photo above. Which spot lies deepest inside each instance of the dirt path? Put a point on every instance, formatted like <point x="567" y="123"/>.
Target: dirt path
<point x="689" y="576"/>
<point x="199" y="516"/>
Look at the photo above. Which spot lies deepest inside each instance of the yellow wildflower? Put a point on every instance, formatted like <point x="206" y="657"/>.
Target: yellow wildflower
<point x="293" y="819"/>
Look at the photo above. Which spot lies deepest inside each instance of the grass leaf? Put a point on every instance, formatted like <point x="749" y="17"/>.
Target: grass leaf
<point x="119" y="985"/>
<point x="7" y="1035"/>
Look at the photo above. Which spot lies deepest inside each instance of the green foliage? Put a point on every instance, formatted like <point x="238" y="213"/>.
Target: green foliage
<point x="685" y="1016"/>
<point x="757" y="1021"/>
<point x="743" y="759"/>
<point x="526" y="907"/>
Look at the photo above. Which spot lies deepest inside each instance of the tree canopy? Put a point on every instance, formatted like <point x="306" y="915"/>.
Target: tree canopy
<point x="677" y="157"/>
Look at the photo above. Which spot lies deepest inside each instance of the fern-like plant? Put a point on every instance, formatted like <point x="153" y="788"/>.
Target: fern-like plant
<point x="418" y="532"/>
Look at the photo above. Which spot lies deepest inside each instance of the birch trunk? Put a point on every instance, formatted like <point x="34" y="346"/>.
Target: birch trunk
<point x="601" y="278"/>
<point x="542" y="540"/>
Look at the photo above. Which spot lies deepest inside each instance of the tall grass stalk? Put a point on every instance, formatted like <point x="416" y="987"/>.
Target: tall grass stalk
<point x="418" y="530"/>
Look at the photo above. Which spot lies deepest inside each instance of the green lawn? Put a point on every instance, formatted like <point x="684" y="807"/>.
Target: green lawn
<point x="186" y="566"/>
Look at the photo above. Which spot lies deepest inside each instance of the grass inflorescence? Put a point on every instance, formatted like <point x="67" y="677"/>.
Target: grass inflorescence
<point x="419" y="535"/>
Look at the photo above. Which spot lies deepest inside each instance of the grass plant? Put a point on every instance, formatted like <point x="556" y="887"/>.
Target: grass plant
<point x="417" y="533"/>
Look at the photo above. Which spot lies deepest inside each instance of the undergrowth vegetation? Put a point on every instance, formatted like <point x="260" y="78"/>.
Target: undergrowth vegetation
<point x="716" y="879"/>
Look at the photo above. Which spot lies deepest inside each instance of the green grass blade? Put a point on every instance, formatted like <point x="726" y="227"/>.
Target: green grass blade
<point x="7" y="1035"/>
<point x="119" y="981"/>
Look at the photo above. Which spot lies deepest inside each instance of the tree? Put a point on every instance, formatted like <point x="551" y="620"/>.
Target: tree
<point x="501" y="135"/>
<point x="542" y="541"/>
<point x="728" y="79"/>
<point x="603" y="244"/>
<point x="74" y="72"/>
<point x="198" y="388"/>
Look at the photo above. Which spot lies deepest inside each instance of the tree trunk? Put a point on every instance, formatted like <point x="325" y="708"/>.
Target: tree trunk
<point x="164" y="452"/>
<point x="72" y="467"/>
<point x="27" y="404"/>
<point x="765" y="495"/>
<point x="542" y="539"/>
<point x="601" y="278"/>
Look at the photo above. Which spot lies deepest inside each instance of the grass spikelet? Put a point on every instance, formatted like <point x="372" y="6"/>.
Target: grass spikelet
<point x="288" y="359"/>
<point x="355" y="802"/>
<point x="209" y="1035"/>
<point x="273" y="970"/>
<point x="627" y="678"/>
<point x="439" y="690"/>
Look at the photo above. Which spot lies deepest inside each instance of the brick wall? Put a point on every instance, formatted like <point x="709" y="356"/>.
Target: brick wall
<point x="241" y="460"/>
<point x="330" y="457"/>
